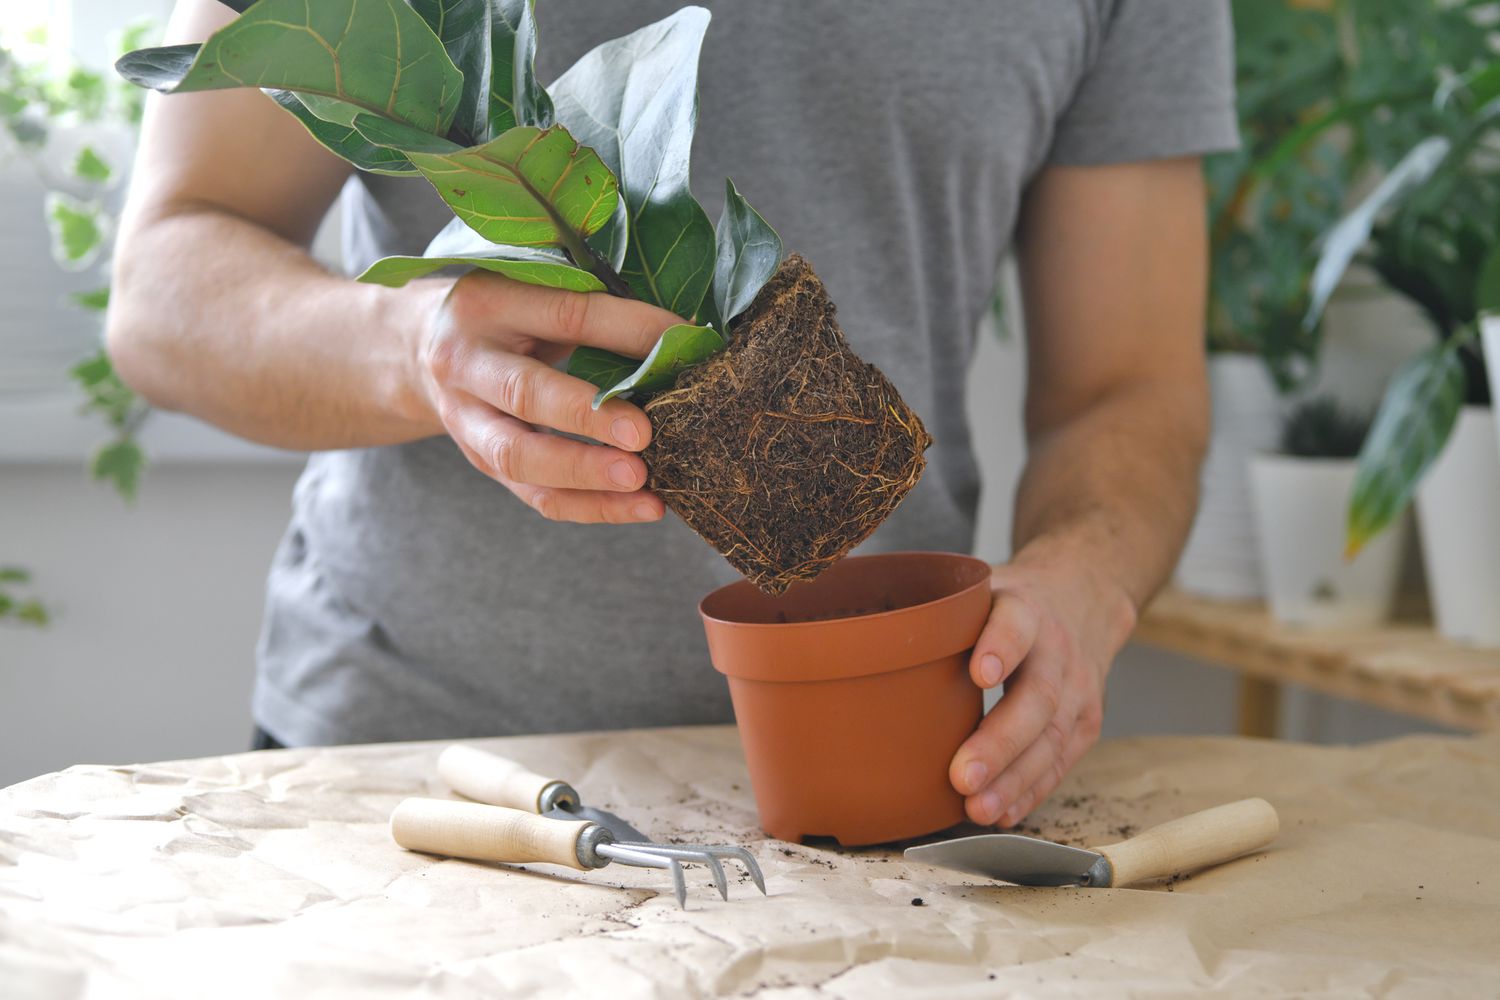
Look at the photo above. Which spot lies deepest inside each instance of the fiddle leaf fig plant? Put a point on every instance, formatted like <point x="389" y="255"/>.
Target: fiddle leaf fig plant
<point x="585" y="186"/>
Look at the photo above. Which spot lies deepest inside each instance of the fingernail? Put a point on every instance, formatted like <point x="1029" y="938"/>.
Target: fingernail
<point x="625" y="433"/>
<point x="623" y="475"/>
<point x="989" y="805"/>
<point x="989" y="669"/>
<point x="1010" y="818"/>
<point x="645" y="512"/>
<point x="974" y="775"/>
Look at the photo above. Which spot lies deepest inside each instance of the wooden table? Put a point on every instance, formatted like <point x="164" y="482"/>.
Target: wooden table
<point x="273" y="875"/>
<point x="1403" y="666"/>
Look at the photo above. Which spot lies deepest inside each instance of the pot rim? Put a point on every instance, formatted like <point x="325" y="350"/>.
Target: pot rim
<point x="873" y="616"/>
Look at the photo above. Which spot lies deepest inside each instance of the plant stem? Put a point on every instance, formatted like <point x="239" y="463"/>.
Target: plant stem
<point x="601" y="269"/>
<point x="576" y="246"/>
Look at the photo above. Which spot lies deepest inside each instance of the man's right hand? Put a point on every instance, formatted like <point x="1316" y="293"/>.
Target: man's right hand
<point x="217" y="310"/>
<point x="484" y="366"/>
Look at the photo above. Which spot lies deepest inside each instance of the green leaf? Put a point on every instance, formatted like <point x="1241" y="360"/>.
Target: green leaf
<point x="95" y="301"/>
<point x="463" y="26"/>
<point x="14" y="574"/>
<point x="90" y="166"/>
<point x="535" y="267"/>
<point x="531" y="103"/>
<point x="400" y="136"/>
<point x="32" y="612"/>
<point x="378" y="55"/>
<point x="635" y="100"/>
<point x="93" y="370"/>
<point x="1352" y="232"/>
<point x="749" y="252"/>
<point x="77" y="230"/>
<point x="119" y="463"/>
<point x="530" y="187"/>
<point x="105" y="394"/>
<point x="342" y="140"/>
<point x="679" y="348"/>
<point x="1415" y="418"/>
<point x="599" y="367"/>
<point x="1487" y="287"/>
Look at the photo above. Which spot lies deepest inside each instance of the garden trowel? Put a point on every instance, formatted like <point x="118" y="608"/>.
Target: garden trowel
<point x="1180" y="845"/>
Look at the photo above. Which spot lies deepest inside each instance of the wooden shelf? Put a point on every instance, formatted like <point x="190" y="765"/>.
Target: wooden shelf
<point x="1404" y="666"/>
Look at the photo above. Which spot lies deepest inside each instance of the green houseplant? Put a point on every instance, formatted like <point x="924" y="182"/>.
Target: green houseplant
<point x="40" y="104"/>
<point x="1329" y="92"/>
<point x="584" y="185"/>
<point x="37" y="102"/>
<point x="1429" y="231"/>
<point x="1267" y="201"/>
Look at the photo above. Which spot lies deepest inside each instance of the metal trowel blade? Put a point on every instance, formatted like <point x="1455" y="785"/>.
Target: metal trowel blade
<point x="1010" y="858"/>
<point x="623" y="831"/>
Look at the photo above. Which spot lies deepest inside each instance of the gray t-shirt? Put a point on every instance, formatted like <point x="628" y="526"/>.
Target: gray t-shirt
<point x="890" y="144"/>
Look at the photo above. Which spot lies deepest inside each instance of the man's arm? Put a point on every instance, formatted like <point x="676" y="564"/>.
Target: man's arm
<point x="219" y="311"/>
<point x="1113" y="269"/>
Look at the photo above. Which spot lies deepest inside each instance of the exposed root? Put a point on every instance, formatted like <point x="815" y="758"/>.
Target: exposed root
<point x="785" y="450"/>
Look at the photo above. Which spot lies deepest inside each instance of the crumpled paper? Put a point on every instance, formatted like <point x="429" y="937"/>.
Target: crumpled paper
<point x="273" y="874"/>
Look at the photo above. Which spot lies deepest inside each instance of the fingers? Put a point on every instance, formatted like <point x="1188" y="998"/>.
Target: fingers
<point x="1078" y="743"/>
<point x="625" y="326"/>
<point x="1005" y="641"/>
<point x="561" y="479"/>
<point x="539" y="394"/>
<point x="1030" y="705"/>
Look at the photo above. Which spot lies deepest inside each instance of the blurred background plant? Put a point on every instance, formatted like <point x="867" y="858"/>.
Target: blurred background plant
<point x="1332" y="94"/>
<point x="1322" y="427"/>
<point x="45" y="110"/>
<point x="38" y="100"/>
<point x="1429" y="230"/>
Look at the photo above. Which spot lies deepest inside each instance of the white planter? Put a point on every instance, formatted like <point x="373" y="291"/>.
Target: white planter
<point x="1221" y="559"/>
<point x="1489" y="331"/>
<point x="1458" y="510"/>
<point x="1300" y="509"/>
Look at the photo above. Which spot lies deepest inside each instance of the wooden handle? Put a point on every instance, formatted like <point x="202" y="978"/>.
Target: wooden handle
<point x="1204" y="838"/>
<point x="484" y="777"/>
<point x="486" y="833"/>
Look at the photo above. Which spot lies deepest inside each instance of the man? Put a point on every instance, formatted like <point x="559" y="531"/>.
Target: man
<point x="454" y="569"/>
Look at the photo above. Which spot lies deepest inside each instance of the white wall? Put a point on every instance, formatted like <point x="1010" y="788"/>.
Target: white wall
<point x="157" y="608"/>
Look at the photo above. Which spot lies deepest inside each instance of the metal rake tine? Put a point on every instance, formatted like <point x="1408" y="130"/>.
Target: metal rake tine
<point x="633" y="855"/>
<point x="740" y="854"/>
<point x="692" y="855"/>
<point x="678" y="882"/>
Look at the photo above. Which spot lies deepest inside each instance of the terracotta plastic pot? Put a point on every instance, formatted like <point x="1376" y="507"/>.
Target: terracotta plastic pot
<point x="852" y="692"/>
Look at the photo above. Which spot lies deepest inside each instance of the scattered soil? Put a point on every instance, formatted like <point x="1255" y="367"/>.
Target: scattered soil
<point x="784" y="450"/>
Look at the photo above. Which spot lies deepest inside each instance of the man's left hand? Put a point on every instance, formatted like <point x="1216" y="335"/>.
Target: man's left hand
<point x="1053" y="631"/>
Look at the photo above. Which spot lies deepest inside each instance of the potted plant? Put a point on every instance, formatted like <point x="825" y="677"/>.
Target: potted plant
<point x="583" y="185"/>
<point x="1429" y="230"/>
<point x="1325" y="91"/>
<point x="1259" y="221"/>
<point x="1299" y="493"/>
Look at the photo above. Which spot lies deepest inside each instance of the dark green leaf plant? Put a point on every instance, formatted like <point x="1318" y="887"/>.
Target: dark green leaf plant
<point x="1430" y="230"/>
<point x="582" y="185"/>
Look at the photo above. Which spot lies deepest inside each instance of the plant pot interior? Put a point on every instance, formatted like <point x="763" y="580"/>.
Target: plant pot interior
<point x="858" y="587"/>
